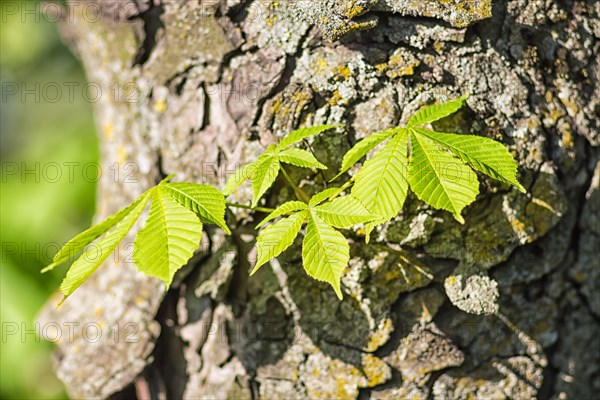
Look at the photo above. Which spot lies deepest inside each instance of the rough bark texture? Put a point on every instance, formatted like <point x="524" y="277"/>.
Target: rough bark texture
<point x="505" y="306"/>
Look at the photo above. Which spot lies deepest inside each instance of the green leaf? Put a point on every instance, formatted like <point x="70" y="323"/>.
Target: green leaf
<point x="432" y="113"/>
<point x="303" y="133"/>
<point x="369" y="228"/>
<point x="344" y="212"/>
<point x="283" y="209"/>
<point x="95" y="254"/>
<point x="483" y="154"/>
<point x="325" y="252"/>
<point x="170" y="236"/>
<point x="440" y="179"/>
<point x="265" y="174"/>
<point x="381" y="185"/>
<point x="363" y="147"/>
<point x="300" y="158"/>
<point x="86" y="237"/>
<point x="264" y="171"/>
<point x="206" y="201"/>
<point x="323" y="195"/>
<point x="240" y="176"/>
<point x="274" y="239"/>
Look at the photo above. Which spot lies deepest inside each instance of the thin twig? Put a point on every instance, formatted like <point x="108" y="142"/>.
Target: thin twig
<point x="342" y="188"/>
<point x="300" y="194"/>
<point x="260" y="209"/>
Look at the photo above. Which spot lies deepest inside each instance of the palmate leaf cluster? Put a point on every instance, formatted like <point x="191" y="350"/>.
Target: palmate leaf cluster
<point x="325" y="251"/>
<point x="167" y="241"/>
<point x="438" y="167"/>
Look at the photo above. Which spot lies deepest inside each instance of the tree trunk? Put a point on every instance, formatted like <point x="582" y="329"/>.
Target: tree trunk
<point x="506" y="305"/>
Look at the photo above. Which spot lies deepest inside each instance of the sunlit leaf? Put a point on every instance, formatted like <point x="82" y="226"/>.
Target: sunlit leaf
<point x="300" y="158"/>
<point x="435" y="112"/>
<point x="206" y="201"/>
<point x="79" y="242"/>
<point x="483" y="154"/>
<point x="241" y="175"/>
<point x="303" y="133"/>
<point x="381" y="184"/>
<point x="325" y="252"/>
<point x="96" y="253"/>
<point x="274" y="239"/>
<point x="323" y="195"/>
<point x="264" y="175"/>
<point x="284" y="209"/>
<point x="440" y="179"/>
<point x="344" y="212"/>
<point x="263" y="172"/>
<point x="169" y="238"/>
<point x="363" y="147"/>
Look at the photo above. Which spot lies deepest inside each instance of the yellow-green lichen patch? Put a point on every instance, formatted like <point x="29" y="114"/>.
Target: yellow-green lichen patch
<point x="375" y="369"/>
<point x="459" y="13"/>
<point x="336" y="18"/>
<point x="108" y="131"/>
<point x="336" y="99"/>
<point x="287" y="109"/>
<point x="346" y="27"/>
<point x="381" y="335"/>
<point x="320" y="66"/>
<point x="160" y="106"/>
<point x="514" y="377"/>
<point x="332" y="378"/>
<point x="343" y="71"/>
<point x="402" y="63"/>
<point x="353" y="8"/>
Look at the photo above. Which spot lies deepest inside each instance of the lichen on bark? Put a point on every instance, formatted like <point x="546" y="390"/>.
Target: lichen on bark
<point x="501" y="306"/>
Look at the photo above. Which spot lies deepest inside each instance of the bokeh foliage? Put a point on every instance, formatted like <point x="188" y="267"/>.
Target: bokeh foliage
<point x="36" y="131"/>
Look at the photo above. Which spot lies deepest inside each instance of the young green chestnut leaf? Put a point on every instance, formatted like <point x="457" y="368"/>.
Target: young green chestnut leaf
<point x="165" y="244"/>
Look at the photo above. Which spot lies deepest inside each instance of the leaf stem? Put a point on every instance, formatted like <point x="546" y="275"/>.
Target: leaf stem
<point x="342" y="188"/>
<point x="300" y="194"/>
<point x="259" y="209"/>
<point x="320" y="171"/>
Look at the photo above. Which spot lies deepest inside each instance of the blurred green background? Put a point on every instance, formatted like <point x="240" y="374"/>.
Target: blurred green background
<point x="39" y="130"/>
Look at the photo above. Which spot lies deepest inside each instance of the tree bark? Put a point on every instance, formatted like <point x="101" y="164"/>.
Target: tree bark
<point x="505" y="306"/>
